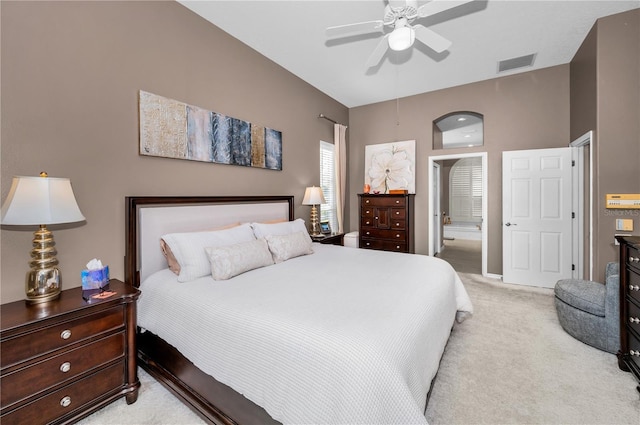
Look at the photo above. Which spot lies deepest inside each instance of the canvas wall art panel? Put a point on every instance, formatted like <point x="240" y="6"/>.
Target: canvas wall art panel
<point x="173" y="129"/>
<point x="390" y="166"/>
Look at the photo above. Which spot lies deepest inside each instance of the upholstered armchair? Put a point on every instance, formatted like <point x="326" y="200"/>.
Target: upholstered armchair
<point x="590" y="311"/>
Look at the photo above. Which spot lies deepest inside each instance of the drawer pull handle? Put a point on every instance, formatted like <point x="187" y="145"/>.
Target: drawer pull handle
<point x="65" y="367"/>
<point x="398" y="235"/>
<point x="65" y="402"/>
<point x="634" y="353"/>
<point x="368" y="243"/>
<point x="397" y="246"/>
<point x="397" y="202"/>
<point x="366" y="202"/>
<point x="634" y="259"/>
<point x="634" y="319"/>
<point x="397" y="212"/>
<point x="367" y="222"/>
<point x="634" y="288"/>
<point x="65" y="334"/>
<point x="375" y="218"/>
<point x="368" y="233"/>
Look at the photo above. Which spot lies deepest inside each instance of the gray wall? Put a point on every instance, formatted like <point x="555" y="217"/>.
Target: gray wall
<point x="523" y="111"/>
<point x="71" y="72"/>
<point x="605" y="97"/>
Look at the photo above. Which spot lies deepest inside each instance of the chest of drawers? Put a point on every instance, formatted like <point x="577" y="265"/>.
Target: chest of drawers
<point x="629" y="354"/>
<point x="62" y="360"/>
<point x="386" y="222"/>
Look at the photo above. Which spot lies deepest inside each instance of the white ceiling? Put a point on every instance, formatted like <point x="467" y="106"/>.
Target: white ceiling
<point x="292" y="34"/>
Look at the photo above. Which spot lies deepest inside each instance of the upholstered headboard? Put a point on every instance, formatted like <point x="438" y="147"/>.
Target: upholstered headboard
<point x="148" y="218"/>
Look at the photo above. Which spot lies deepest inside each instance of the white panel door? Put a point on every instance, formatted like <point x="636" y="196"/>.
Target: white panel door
<point x="536" y="216"/>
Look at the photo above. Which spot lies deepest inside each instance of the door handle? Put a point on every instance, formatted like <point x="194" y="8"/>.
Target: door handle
<point x="510" y="224"/>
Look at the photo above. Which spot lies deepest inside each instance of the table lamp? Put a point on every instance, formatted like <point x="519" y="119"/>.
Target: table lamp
<point x="40" y="201"/>
<point x="313" y="196"/>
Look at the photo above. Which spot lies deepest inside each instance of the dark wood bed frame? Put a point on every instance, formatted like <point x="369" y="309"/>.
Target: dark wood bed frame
<point x="211" y="400"/>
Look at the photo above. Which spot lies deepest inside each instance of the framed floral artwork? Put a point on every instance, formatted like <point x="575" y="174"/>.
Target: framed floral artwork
<point x="390" y="166"/>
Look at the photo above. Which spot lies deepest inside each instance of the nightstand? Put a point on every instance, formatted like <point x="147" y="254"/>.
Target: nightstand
<point x="65" y="359"/>
<point x="333" y="239"/>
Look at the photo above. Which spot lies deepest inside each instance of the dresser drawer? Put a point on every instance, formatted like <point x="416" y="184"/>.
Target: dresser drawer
<point x="633" y="319"/>
<point x="32" y="344"/>
<point x="396" y="235"/>
<point x="40" y="376"/>
<point x="398" y="214"/>
<point x="384" y="201"/>
<point x="367" y="212"/>
<point x="400" y="246"/>
<point x="634" y="259"/>
<point x="634" y="347"/>
<point x="633" y="289"/>
<point x="68" y="399"/>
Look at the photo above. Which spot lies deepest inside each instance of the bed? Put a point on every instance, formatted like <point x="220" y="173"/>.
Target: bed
<point x="328" y="335"/>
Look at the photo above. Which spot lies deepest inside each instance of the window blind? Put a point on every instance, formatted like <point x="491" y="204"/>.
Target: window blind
<point x="465" y="190"/>
<point x="328" y="184"/>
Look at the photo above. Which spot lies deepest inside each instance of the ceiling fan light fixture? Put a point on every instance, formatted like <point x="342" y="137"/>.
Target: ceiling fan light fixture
<point x="401" y="38"/>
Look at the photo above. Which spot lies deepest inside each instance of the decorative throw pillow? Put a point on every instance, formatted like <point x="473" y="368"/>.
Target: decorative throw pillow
<point x="232" y="260"/>
<point x="173" y="264"/>
<point x="261" y="230"/>
<point x="189" y="248"/>
<point x="284" y="247"/>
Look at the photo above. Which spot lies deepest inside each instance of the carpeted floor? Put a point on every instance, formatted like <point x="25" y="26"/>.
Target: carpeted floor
<point x="509" y="364"/>
<point x="464" y="255"/>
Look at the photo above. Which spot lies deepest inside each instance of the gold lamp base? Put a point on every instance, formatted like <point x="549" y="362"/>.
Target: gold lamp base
<point x="43" y="280"/>
<point x="315" y="224"/>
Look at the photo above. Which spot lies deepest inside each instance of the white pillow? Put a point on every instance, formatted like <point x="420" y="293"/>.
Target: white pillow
<point x="284" y="247"/>
<point x="189" y="248"/>
<point x="232" y="260"/>
<point x="261" y="230"/>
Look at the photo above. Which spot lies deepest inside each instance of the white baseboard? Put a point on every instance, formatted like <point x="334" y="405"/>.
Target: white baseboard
<point x="494" y="276"/>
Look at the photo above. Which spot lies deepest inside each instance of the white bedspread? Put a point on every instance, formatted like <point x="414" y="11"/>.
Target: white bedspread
<point x="342" y="336"/>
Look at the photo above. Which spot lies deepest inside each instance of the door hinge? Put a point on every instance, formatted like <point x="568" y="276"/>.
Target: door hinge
<point x="573" y="215"/>
<point x="573" y="163"/>
<point x="573" y="267"/>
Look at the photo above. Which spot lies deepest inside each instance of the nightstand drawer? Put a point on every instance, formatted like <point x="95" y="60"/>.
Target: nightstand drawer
<point x="29" y="345"/>
<point x="26" y="382"/>
<point x="68" y="399"/>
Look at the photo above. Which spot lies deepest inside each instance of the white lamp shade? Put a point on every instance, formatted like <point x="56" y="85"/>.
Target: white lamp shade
<point x="401" y="38"/>
<point x="40" y="200"/>
<point x="313" y="196"/>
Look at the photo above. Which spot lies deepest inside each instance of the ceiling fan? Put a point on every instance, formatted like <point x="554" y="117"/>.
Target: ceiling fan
<point x="400" y="15"/>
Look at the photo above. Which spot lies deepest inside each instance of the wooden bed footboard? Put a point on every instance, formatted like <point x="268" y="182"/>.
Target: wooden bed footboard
<point x="211" y="400"/>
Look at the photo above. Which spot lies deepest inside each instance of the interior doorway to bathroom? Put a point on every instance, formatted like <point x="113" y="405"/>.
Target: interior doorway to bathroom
<point x="458" y="207"/>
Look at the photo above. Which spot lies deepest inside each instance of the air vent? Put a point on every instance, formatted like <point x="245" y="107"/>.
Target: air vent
<point x="519" y="62"/>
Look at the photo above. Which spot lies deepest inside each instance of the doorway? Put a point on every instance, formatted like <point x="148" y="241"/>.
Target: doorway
<point x="462" y="245"/>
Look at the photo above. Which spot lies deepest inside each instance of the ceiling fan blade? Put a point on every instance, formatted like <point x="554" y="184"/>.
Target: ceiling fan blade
<point x="436" y="6"/>
<point x="355" y="29"/>
<point x="431" y="39"/>
<point x="378" y="52"/>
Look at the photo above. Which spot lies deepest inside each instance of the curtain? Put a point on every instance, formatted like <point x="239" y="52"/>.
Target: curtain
<point x="340" y="146"/>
